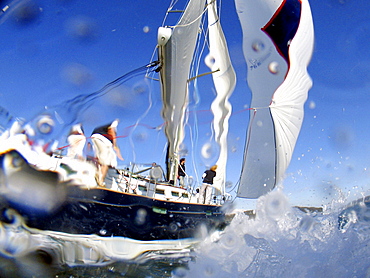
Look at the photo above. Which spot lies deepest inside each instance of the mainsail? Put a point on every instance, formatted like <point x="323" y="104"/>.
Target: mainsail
<point x="277" y="43"/>
<point x="176" y="47"/>
<point x="224" y="78"/>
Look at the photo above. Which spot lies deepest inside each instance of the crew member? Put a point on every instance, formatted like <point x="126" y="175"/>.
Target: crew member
<point x="106" y="149"/>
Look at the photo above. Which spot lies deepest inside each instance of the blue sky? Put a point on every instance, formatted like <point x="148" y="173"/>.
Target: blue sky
<point x="65" y="48"/>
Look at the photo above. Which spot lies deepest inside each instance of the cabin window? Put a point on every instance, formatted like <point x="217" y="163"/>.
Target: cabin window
<point x="175" y="194"/>
<point x="159" y="191"/>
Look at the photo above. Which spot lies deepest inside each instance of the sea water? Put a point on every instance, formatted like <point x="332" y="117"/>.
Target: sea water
<point x="278" y="240"/>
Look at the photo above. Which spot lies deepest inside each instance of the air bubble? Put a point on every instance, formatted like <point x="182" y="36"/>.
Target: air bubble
<point x="274" y="67"/>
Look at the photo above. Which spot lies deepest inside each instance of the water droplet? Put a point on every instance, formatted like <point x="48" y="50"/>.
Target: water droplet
<point x="156" y="173"/>
<point x="140" y="136"/>
<point x="274" y="67"/>
<point x="77" y="75"/>
<point x="83" y="28"/>
<point x="183" y="150"/>
<point x="17" y="161"/>
<point x="146" y="29"/>
<point x="140" y="88"/>
<point x="179" y="272"/>
<point x="230" y="241"/>
<point x="276" y="205"/>
<point x="174" y="226"/>
<point x="190" y="180"/>
<point x="103" y="232"/>
<point x="312" y="105"/>
<point x="140" y="218"/>
<point x="207" y="150"/>
<point x="228" y="184"/>
<point x="27" y="13"/>
<point x="209" y="153"/>
<point x="258" y="46"/>
<point x="45" y="125"/>
<point x="209" y="270"/>
<point x="209" y="60"/>
<point x="306" y="223"/>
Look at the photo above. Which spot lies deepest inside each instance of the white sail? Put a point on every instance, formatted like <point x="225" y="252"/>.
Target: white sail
<point x="224" y="78"/>
<point x="176" y="48"/>
<point x="277" y="43"/>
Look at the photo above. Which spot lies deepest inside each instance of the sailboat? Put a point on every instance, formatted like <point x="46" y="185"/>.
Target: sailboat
<point x="52" y="197"/>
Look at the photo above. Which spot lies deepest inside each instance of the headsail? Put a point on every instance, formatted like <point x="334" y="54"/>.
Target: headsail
<point x="176" y="48"/>
<point x="277" y="43"/>
<point x="224" y="78"/>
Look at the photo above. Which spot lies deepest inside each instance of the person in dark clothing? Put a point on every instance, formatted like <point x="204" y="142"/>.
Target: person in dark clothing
<point x="181" y="172"/>
<point x="205" y="193"/>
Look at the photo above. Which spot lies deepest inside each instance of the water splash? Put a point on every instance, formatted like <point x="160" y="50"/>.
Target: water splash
<point x="283" y="241"/>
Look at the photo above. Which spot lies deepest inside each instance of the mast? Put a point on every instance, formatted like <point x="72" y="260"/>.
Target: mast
<point x="277" y="43"/>
<point x="224" y="78"/>
<point x="176" y="47"/>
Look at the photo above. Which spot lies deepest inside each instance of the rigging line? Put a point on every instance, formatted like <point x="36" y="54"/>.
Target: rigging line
<point x="151" y="61"/>
<point x="198" y="52"/>
<point x="185" y="25"/>
<point x="111" y="85"/>
<point x="235" y="185"/>
<point x="175" y="11"/>
<point x="249" y="135"/>
<point x="82" y="102"/>
<point x="150" y="104"/>
<point x="193" y="154"/>
<point x="196" y="65"/>
<point x="172" y="4"/>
